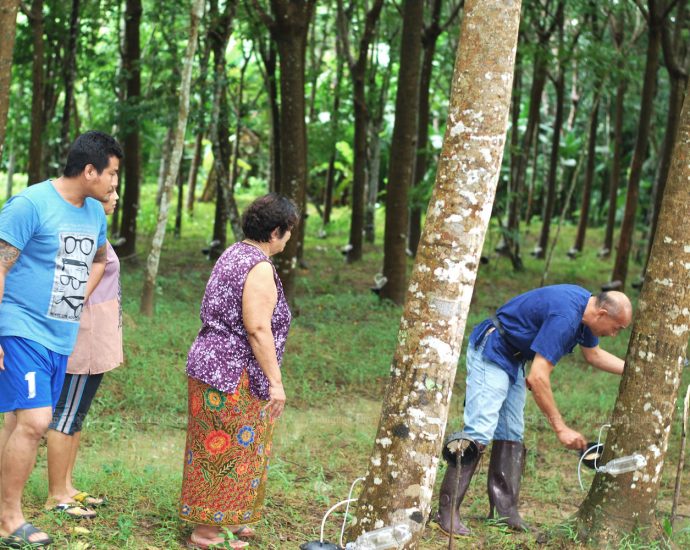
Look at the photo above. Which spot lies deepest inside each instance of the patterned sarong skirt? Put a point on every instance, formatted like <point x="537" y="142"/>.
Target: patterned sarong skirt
<point x="226" y="457"/>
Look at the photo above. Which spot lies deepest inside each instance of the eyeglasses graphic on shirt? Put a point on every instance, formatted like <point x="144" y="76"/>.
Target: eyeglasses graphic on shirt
<point x="69" y="280"/>
<point x="85" y="245"/>
<point x="71" y="301"/>
<point x="76" y="263"/>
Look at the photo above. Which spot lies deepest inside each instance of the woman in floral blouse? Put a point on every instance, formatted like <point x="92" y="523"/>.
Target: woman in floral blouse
<point x="235" y="385"/>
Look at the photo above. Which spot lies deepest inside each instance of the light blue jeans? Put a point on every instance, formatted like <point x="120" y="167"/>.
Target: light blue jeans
<point x="494" y="406"/>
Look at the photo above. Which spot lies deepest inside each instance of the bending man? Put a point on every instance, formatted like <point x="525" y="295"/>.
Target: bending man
<point x="540" y="326"/>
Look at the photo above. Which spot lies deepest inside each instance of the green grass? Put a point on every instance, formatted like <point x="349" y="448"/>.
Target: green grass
<point x="335" y="370"/>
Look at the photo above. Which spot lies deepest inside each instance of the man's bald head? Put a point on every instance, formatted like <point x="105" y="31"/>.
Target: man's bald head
<point x="616" y="304"/>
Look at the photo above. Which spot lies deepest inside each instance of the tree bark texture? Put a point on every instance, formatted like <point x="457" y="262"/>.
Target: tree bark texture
<point x="329" y="185"/>
<point x="35" y="168"/>
<point x="620" y="268"/>
<point x="289" y="29"/>
<point x="358" y="72"/>
<point x="131" y="66"/>
<point x="402" y="468"/>
<point x="674" y="52"/>
<point x="8" y="19"/>
<point x="403" y="152"/>
<point x="654" y="363"/>
<point x="69" y="75"/>
<point x="148" y="293"/>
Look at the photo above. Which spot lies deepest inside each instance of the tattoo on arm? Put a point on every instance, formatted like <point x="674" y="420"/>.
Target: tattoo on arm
<point x="101" y="254"/>
<point x="8" y="254"/>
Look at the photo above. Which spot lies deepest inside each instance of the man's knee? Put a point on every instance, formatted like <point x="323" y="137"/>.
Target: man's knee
<point x="33" y="423"/>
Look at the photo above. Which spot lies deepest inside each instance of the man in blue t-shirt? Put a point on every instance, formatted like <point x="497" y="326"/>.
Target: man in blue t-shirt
<point x="540" y="326"/>
<point x="52" y="254"/>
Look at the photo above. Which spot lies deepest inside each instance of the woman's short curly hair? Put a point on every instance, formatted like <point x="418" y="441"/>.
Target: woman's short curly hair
<point x="272" y="211"/>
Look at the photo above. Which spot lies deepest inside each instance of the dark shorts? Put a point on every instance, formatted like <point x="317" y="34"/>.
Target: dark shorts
<point x="77" y="394"/>
<point x="33" y="375"/>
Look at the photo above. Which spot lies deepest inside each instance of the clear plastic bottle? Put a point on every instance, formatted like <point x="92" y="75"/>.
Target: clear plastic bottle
<point x="623" y="464"/>
<point x="392" y="536"/>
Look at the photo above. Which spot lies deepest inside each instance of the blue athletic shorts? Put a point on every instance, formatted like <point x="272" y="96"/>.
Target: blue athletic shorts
<point x="78" y="391"/>
<point x="32" y="377"/>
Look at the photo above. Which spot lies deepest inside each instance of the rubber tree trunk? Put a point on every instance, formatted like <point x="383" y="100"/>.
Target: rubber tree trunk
<point x="674" y="51"/>
<point x="358" y="72"/>
<point x="148" y="293"/>
<point x="335" y="123"/>
<point x="654" y="363"/>
<point x="194" y="172"/>
<point x="69" y="74"/>
<point x="616" y="164"/>
<point x="402" y="468"/>
<point x="376" y="123"/>
<point x="8" y="19"/>
<point x="289" y="29"/>
<point x="269" y="58"/>
<point x="429" y="38"/>
<point x="35" y="169"/>
<point x="131" y="67"/>
<point x="589" y="178"/>
<point x="554" y="162"/>
<point x="620" y="268"/>
<point x="404" y="151"/>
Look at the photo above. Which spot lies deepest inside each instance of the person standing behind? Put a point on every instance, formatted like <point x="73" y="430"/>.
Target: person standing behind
<point x="235" y="388"/>
<point x="98" y="350"/>
<point x="540" y="326"/>
<point x="50" y="230"/>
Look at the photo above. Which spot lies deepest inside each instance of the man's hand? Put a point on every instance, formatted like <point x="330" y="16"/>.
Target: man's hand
<point x="2" y="358"/>
<point x="571" y="439"/>
<point x="276" y="403"/>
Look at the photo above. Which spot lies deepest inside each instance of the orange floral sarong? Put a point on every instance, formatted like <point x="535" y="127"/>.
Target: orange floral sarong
<point x="227" y="455"/>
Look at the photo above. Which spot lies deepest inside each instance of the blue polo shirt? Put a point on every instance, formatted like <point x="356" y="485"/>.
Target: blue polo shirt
<point x="547" y="321"/>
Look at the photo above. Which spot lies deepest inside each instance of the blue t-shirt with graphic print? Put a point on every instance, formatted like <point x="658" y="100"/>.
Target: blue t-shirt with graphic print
<point x="44" y="290"/>
<point x="547" y="321"/>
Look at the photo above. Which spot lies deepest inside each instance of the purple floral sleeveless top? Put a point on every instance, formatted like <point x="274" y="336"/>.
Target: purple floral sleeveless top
<point x="221" y="351"/>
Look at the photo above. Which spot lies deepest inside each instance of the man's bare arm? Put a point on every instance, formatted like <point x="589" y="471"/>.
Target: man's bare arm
<point x="8" y="257"/>
<point x="97" y="270"/>
<point x="603" y="360"/>
<point x="539" y="381"/>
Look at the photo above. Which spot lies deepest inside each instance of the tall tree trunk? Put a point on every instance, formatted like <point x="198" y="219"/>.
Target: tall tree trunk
<point x="616" y="164"/>
<point x="270" y="60"/>
<point x="402" y="467"/>
<point x="645" y="408"/>
<point x="620" y="268"/>
<point x="404" y="151"/>
<point x="589" y="177"/>
<point x="8" y="19"/>
<point x="147" y="295"/>
<point x="358" y="72"/>
<point x="554" y="163"/>
<point x="376" y="122"/>
<point x="69" y="74"/>
<point x="674" y="51"/>
<point x="35" y="169"/>
<point x="289" y="27"/>
<point x="131" y="66"/>
<point x="335" y="120"/>
<point x="429" y="37"/>
<point x="219" y="130"/>
<point x="194" y="171"/>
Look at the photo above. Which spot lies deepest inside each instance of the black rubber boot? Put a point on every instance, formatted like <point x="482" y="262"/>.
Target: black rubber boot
<point x="505" y="472"/>
<point x="454" y="487"/>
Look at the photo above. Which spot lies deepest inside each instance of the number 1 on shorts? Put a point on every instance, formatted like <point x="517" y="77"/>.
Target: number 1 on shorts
<point x="30" y="378"/>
